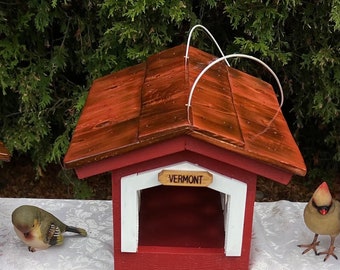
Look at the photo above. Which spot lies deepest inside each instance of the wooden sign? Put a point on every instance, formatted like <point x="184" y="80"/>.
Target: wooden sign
<point x="185" y="178"/>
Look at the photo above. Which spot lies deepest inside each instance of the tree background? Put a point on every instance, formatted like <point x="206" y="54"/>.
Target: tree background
<point x="52" y="50"/>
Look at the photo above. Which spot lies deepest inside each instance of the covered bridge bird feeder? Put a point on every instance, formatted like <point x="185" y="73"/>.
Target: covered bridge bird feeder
<point x="184" y="150"/>
<point x="4" y="153"/>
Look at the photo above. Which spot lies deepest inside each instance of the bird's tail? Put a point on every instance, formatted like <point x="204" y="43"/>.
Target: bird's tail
<point x="80" y="231"/>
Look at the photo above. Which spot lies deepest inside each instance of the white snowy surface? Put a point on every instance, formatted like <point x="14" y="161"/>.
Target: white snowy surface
<point x="83" y="253"/>
<point x="277" y="230"/>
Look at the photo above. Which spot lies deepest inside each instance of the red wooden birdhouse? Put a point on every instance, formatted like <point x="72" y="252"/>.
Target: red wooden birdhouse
<point x="184" y="161"/>
<point x="4" y="153"/>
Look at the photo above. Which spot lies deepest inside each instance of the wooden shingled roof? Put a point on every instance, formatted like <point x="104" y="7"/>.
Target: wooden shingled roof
<point x="147" y="103"/>
<point x="4" y="153"/>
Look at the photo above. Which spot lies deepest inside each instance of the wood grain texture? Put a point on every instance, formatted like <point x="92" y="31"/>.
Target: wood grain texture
<point x="147" y="103"/>
<point x="185" y="178"/>
<point x="4" y="153"/>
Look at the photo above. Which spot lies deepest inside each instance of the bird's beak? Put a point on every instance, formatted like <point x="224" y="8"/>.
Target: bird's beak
<point x="323" y="211"/>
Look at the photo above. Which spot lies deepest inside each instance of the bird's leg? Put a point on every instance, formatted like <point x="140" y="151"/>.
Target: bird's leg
<point x="311" y="245"/>
<point x="330" y="250"/>
<point x="31" y="249"/>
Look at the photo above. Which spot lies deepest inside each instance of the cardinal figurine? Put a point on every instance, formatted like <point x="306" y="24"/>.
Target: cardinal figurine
<point x="322" y="217"/>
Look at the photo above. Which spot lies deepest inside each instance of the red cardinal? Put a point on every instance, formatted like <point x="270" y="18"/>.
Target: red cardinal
<point x="322" y="216"/>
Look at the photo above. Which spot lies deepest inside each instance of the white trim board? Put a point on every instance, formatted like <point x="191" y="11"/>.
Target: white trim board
<point x="234" y="201"/>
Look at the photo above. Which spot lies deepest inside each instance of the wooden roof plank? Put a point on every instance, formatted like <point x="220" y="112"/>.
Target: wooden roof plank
<point x="110" y="116"/>
<point x="163" y="95"/>
<point x="266" y="133"/>
<point x="212" y="107"/>
<point x="103" y="142"/>
<point x="222" y="126"/>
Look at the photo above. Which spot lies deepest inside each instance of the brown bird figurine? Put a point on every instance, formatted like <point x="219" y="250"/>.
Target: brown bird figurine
<point x="322" y="216"/>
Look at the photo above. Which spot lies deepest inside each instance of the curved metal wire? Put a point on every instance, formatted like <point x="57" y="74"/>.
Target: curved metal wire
<point x="210" y="35"/>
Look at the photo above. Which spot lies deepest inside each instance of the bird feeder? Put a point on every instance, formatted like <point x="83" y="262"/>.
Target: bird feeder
<point x="4" y="153"/>
<point x="184" y="161"/>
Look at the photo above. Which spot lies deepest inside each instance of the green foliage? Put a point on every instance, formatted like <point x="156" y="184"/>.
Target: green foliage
<point x="301" y="41"/>
<point x="143" y="27"/>
<point x="52" y="50"/>
<point x="81" y="190"/>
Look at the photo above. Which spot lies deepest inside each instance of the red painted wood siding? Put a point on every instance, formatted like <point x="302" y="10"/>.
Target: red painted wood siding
<point x="169" y="258"/>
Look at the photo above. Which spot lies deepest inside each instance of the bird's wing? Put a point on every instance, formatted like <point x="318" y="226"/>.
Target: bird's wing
<point x="54" y="235"/>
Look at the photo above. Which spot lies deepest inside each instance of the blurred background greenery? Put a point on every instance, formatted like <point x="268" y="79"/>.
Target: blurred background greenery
<point x="52" y="50"/>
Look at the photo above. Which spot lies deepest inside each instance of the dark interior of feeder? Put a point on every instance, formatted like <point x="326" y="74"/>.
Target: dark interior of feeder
<point x="174" y="216"/>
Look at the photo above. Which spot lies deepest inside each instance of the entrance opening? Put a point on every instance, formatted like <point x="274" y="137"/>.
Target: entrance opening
<point x="181" y="217"/>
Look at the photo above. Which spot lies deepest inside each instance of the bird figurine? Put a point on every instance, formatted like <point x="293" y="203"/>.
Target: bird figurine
<point x="322" y="216"/>
<point x="39" y="229"/>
